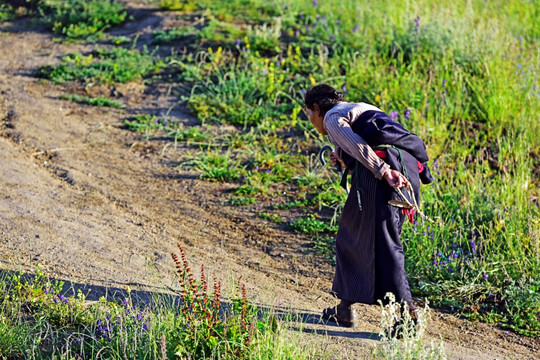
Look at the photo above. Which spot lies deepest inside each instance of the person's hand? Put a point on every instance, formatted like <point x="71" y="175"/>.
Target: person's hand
<point x="395" y="179"/>
<point x="334" y="159"/>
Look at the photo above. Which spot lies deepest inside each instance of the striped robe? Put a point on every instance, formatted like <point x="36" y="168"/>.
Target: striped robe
<point x="369" y="255"/>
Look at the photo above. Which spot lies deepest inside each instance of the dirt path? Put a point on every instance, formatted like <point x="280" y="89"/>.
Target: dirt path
<point x="94" y="204"/>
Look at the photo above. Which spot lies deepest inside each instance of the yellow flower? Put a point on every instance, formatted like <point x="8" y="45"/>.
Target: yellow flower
<point x="312" y="80"/>
<point x="128" y="289"/>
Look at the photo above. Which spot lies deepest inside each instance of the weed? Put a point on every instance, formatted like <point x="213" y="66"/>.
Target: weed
<point x="80" y="18"/>
<point x="98" y="101"/>
<point x="408" y="342"/>
<point x="103" y="66"/>
<point x="275" y="218"/>
<point x="242" y="200"/>
<point x="178" y="5"/>
<point x="311" y="225"/>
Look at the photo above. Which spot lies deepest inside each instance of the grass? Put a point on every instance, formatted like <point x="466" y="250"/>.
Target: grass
<point x="103" y="66"/>
<point x="464" y="78"/>
<point x="38" y="319"/>
<point x="82" y="19"/>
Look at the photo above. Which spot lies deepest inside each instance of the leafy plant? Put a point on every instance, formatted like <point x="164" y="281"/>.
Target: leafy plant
<point x="311" y="225"/>
<point x="81" y="18"/>
<point x="103" y="66"/>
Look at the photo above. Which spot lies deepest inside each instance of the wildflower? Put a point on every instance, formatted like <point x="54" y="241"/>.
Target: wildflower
<point x="454" y="245"/>
<point x="338" y="22"/>
<point x="355" y="28"/>
<point x="296" y="32"/>
<point x="301" y="16"/>
<point x="444" y="83"/>
<point x="417" y="22"/>
<point x="315" y="3"/>
<point x="394" y="115"/>
<point x="344" y="88"/>
<point x="303" y="91"/>
<point x="439" y="254"/>
<point x="268" y="171"/>
<point x="332" y="37"/>
<point x="485" y="276"/>
<point x="312" y="80"/>
<point x="450" y="270"/>
<point x="407" y="114"/>
<point x="237" y="42"/>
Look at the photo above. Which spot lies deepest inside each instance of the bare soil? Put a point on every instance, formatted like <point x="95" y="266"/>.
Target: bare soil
<point x="99" y="207"/>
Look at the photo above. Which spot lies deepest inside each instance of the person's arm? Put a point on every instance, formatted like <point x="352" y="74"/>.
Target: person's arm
<point x="341" y="133"/>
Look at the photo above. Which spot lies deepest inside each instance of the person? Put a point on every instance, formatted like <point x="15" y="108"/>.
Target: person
<point x="369" y="255"/>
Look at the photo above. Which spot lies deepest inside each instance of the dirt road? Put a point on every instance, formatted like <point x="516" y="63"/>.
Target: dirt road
<point x="96" y="205"/>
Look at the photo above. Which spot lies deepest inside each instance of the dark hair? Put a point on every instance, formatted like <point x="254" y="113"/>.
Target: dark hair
<point x="323" y="95"/>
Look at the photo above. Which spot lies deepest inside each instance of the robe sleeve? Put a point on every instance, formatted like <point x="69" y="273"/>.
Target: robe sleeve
<point x="341" y="135"/>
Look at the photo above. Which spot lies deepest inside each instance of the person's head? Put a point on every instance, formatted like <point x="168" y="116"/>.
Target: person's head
<point x="318" y="100"/>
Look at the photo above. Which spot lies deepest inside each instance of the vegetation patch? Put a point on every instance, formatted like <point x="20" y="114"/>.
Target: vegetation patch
<point x="79" y="19"/>
<point x="38" y="316"/>
<point x="103" y="66"/>
<point x="97" y="101"/>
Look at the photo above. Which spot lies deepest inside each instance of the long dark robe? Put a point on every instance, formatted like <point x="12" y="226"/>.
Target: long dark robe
<point x="369" y="255"/>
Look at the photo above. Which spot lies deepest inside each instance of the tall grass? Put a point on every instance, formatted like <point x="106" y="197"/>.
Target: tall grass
<point x="463" y="76"/>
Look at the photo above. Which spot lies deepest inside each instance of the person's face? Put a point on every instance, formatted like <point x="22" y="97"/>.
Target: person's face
<point x="316" y="118"/>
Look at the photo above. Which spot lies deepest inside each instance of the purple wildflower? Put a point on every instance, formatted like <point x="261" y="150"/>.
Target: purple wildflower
<point x="394" y="115"/>
<point x="444" y="83"/>
<point x="268" y="171"/>
<point x="407" y="114"/>
<point x="303" y="91"/>
<point x="417" y="22"/>
<point x="296" y="32"/>
<point x="454" y="245"/>
<point x="315" y="3"/>
<point x="332" y="37"/>
<point x="344" y="88"/>
<point x="485" y="276"/>
<point x="355" y="28"/>
<point x="301" y="16"/>
<point x="55" y="300"/>
<point x="237" y="42"/>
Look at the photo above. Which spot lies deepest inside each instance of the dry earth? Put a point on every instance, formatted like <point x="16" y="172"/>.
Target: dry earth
<point x="97" y="206"/>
